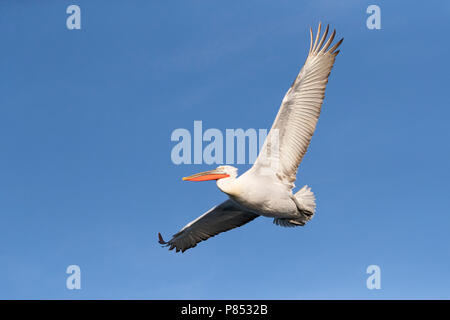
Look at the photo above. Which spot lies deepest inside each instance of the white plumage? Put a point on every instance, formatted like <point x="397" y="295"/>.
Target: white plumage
<point x="266" y="189"/>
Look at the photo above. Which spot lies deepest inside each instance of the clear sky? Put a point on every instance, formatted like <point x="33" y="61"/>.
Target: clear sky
<point x="86" y="176"/>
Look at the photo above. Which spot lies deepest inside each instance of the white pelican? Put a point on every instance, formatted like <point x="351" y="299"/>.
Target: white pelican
<point x="266" y="188"/>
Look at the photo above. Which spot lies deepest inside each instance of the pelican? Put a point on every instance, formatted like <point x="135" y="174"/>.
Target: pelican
<point x="266" y="188"/>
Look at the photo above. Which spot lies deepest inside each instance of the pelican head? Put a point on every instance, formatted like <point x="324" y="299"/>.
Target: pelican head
<point x="224" y="175"/>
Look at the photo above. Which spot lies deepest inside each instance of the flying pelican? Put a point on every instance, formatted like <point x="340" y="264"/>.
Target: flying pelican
<point x="266" y="188"/>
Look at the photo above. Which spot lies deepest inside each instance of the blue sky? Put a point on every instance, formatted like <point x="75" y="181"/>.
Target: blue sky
<point x="86" y="176"/>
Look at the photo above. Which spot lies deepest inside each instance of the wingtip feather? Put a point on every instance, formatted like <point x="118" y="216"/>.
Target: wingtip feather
<point x="336" y="46"/>
<point x="319" y="43"/>
<point x="317" y="36"/>
<point x="160" y="239"/>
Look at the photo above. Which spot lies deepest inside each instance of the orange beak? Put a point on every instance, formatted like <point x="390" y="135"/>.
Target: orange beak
<point x="207" y="175"/>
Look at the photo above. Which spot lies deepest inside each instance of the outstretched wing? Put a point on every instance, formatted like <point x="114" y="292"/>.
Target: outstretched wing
<point x="221" y="218"/>
<point x="291" y="132"/>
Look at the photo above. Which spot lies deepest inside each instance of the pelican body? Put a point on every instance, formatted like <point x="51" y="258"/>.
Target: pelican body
<point x="274" y="200"/>
<point x="266" y="189"/>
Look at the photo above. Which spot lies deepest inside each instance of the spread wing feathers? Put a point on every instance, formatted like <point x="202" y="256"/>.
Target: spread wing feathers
<point x="291" y="132"/>
<point x="223" y="217"/>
